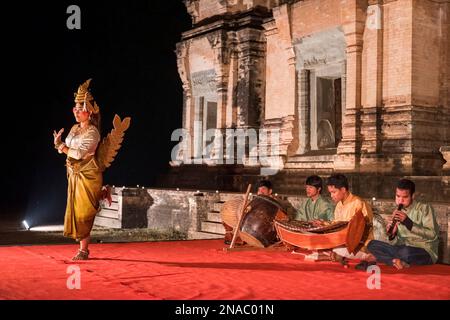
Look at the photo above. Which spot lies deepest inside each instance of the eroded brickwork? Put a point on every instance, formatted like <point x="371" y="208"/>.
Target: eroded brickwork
<point x="357" y="86"/>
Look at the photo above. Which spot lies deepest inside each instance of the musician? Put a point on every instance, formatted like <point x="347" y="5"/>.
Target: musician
<point x="347" y="204"/>
<point x="265" y="188"/>
<point x="316" y="207"/>
<point x="414" y="232"/>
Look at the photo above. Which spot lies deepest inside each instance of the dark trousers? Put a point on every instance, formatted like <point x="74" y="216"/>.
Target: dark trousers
<point x="385" y="252"/>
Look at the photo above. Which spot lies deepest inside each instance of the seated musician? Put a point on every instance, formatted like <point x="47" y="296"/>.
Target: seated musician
<point x="316" y="207"/>
<point x="265" y="189"/>
<point x="414" y="233"/>
<point x="347" y="205"/>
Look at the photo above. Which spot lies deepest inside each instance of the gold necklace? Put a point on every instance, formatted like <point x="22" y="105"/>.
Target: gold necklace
<point x="81" y="130"/>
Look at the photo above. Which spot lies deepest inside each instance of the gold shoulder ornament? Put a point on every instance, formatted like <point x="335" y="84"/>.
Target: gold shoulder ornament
<point x="110" y="145"/>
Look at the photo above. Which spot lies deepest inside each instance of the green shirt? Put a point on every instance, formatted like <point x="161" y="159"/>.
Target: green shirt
<point x="425" y="231"/>
<point x="313" y="210"/>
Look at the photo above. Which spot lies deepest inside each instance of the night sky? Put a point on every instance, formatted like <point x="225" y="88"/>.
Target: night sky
<point x="128" y="48"/>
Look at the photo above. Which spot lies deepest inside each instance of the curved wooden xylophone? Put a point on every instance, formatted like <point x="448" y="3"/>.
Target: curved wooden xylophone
<point x="329" y="235"/>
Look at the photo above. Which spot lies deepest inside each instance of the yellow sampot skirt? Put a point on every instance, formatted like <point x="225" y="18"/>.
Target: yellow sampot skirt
<point x="83" y="195"/>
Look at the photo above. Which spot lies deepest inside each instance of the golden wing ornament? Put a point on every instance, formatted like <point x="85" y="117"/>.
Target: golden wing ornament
<point x="111" y="144"/>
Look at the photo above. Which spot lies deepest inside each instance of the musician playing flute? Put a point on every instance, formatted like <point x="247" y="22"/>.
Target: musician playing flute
<point x="414" y="232"/>
<point x="316" y="207"/>
<point x="347" y="205"/>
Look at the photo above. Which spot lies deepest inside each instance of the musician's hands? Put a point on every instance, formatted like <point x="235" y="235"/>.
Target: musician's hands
<point x="388" y="226"/>
<point x="316" y="223"/>
<point x="399" y="216"/>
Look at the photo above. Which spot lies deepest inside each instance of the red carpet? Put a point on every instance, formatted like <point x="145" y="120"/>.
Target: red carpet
<point x="202" y="270"/>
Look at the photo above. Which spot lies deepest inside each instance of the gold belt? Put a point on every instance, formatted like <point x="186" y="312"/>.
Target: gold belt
<point x="76" y="166"/>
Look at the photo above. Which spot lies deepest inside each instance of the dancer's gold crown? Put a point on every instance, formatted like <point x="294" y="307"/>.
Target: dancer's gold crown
<point x="85" y="97"/>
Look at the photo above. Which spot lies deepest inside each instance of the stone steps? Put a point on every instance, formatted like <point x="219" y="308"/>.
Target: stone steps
<point x="204" y="235"/>
<point x="107" y="222"/>
<point x="231" y="196"/>
<point x="214" y="216"/>
<point x="217" y="206"/>
<point x="213" y="227"/>
<point x="113" y="206"/>
<point x="213" y="222"/>
<point x="109" y="213"/>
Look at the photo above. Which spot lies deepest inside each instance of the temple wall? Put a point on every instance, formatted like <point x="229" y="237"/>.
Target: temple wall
<point x="397" y="57"/>
<point x="382" y="66"/>
<point x="204" y="9"/>
<point x="201" y="57"/>
<point x="427" y="40"/>
<point x="430" y="86"/>
<point x="285" y="33"/>
<point x="309" y="17"/>
<point x="279" y="80"/>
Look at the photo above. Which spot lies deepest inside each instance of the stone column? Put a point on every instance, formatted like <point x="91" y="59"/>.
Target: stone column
<point x="250" y="83"/>
<point x="349" y="150"/>
<point x="372" y="88"/>
<point x="182" y="52"/>
<point x="222" y="50"/>
<point x="303" y="112"/>
<point x="291" y="124"/>
<point x="230" y="109"/>
<point x="279" y="37"/>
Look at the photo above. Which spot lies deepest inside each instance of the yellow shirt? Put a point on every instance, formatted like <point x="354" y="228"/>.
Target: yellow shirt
<point x="345" y="210"/>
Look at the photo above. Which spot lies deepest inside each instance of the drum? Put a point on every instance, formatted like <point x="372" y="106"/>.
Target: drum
<point x="257" y="227"/>
<point x="230" y="212"/>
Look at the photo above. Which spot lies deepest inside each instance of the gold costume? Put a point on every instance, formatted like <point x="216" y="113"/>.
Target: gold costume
<point x="84" y="183"/>
<point x="345" y="210"/>
<point x="87" y="158"/>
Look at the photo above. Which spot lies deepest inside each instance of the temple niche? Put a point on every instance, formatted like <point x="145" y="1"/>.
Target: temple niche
<point x="352" y="86"/>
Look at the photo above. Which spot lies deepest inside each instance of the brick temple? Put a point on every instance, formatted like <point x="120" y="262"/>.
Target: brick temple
<point x="352" y="86"/>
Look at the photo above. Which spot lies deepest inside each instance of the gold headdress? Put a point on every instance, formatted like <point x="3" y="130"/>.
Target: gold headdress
<point x="85" y="97"/>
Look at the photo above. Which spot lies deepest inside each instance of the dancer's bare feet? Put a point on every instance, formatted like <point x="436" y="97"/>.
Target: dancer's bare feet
<point x="81" y="255"/>
<point x="399" y="264"/>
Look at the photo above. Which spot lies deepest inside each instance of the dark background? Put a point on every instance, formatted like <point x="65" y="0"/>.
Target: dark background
<point x="128" y="48"/>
